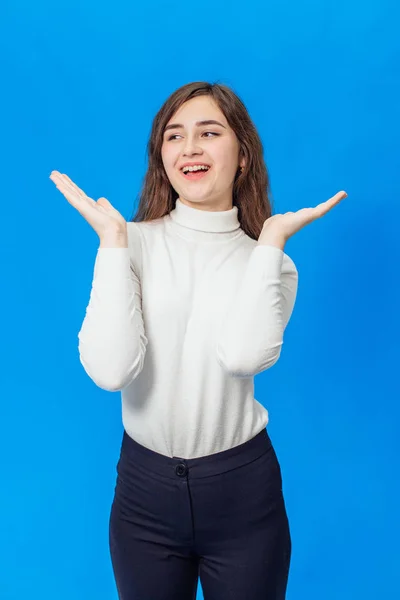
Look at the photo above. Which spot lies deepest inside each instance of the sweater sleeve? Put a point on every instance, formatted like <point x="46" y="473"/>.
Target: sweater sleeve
<point x="251" y="334"/>
<point x="112" y="339"/>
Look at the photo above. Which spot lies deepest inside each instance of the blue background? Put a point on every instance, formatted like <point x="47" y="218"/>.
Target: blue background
<point x="80" y="86"/>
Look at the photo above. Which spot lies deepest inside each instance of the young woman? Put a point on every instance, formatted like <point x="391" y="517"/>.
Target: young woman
<point x="189" y="302"/>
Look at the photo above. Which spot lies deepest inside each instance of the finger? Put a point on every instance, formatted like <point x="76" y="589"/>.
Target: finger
<point x="308" y="215"/>
<point x="66" y="183"/>
<point x="336" y="199"/>
<point x="73" y="194"/>
<point x="324" y="207"/>
<point x="60" y="180"/>
<point x="104" y="203"/>
<point x="69" y="184"/>
<point x="73" y="186"/>
<point x="82" y="204"/>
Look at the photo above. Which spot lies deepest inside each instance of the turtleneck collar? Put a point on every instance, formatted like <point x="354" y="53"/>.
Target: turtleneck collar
<point x="223" y="221"/>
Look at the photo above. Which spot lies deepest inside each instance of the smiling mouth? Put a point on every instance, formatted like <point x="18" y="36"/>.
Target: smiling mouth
<point x="195" y="175"/>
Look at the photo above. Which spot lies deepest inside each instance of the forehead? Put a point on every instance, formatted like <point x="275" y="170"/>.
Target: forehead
<point x="196" y="109"/>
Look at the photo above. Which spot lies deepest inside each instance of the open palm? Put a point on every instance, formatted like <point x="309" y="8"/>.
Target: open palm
<point x="287" y="224"/>
<point x="101" y="215"/>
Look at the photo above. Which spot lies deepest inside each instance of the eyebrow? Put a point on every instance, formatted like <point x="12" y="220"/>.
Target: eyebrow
<point x="198" y="124"/>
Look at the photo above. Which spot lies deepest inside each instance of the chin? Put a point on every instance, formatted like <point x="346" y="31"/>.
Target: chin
<point x="192" y="200"/>
<point x="196" y="200"/>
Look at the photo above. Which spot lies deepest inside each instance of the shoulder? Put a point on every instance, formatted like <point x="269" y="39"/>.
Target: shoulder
<point x="141" y="236"/>
<point x="139" y="231"/>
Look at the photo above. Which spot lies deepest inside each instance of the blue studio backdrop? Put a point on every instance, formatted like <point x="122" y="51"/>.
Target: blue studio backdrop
<point x="81" y="83"/>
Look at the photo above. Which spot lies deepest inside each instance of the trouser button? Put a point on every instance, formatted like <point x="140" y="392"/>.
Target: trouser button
<point x="181" y="469"/>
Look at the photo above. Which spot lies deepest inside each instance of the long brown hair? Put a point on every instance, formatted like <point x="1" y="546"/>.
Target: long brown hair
<point x="251" y="189"/>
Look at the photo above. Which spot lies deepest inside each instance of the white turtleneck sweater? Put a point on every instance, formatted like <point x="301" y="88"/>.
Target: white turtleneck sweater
<point x="180" y="322"/>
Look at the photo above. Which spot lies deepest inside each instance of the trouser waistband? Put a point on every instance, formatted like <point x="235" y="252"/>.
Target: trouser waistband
<point x="204" y="466"/>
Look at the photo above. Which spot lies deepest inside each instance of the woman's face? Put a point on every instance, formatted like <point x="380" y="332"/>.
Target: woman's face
<point x="213" y="144"/>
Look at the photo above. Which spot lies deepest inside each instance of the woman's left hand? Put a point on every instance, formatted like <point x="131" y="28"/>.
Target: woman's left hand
<point x="280" y="228"/>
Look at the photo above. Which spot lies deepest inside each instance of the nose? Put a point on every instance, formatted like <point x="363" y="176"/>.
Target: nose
<point x="190" y="147"/>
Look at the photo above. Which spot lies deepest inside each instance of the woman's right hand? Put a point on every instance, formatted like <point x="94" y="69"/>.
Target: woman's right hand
<point x="101" y="215"/>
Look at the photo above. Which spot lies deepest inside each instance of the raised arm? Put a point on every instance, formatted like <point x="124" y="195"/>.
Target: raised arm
<point x="112" y="340"/>
<point x="251" y="334"/>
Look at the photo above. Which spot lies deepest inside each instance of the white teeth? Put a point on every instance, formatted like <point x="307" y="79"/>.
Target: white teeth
<point x="195" y="168"/>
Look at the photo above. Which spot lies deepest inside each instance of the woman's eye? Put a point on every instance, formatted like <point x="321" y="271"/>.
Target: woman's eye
<point x="212" y="133"/>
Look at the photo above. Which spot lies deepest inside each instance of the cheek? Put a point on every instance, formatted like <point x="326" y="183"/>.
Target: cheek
<point x="225" y="157"/>
<point x="164" y="158"/>
<point x="169" y="160"/>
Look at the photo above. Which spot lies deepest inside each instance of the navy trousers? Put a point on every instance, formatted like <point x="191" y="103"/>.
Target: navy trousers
<point x="219" y="518"/>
